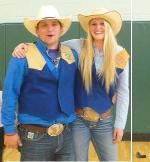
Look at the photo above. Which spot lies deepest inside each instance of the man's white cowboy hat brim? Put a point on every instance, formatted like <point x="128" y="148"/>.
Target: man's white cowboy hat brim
<point x="112" y="17"/>
<point x="47" y="12"/>
<point x="32" y="24"/>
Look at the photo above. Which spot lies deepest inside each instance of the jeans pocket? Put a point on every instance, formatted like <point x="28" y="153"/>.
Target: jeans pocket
<point x="29" y="135"/>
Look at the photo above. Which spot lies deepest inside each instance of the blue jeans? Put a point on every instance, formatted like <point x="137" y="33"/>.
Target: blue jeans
<point x="100" y="133"/>
<point x="1" y="142"/>
<point x="39" y="146"/>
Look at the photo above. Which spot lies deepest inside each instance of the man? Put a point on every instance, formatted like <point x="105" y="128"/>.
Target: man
<point x="43" y="85"/>
<point x="1" y="126"/>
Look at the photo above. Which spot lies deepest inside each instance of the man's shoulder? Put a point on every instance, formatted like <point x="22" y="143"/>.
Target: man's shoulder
<point x="67" y="47"/>
<point x="14" y="61"/>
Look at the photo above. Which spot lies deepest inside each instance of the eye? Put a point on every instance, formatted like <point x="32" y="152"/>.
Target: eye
<point x="93" y="24"/>
<point x="54" y="24"/>
<point x="43" y="25"/>
<point x="102" y="23"/>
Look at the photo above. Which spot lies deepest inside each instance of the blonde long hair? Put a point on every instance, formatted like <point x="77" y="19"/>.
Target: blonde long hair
<point x="108" y="71"/>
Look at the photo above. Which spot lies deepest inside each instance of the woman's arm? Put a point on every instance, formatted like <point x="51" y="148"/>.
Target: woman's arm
<point x="22" y="48"/>
<point x="75" y="44"/>
<point x="122" y="105"/>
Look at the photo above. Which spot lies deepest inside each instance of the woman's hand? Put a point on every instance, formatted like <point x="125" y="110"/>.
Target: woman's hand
<point x="20" y="50"/>
<point x="117" y="135"/>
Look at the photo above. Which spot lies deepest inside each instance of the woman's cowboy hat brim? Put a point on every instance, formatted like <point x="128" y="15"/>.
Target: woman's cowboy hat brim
<point x="32" y="24"/>
<point x="112" y="17"/>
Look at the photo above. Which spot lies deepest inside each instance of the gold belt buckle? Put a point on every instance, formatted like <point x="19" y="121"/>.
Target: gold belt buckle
<point x="90" y="115"/>
<point x="55" y="129"/>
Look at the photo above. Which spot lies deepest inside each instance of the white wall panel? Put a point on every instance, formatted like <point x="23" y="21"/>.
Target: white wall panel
<point x="141" y="10"/>
<point x="16" y="10"/>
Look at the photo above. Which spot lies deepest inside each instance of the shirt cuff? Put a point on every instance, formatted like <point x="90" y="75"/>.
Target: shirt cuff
<point x="10" y="129"/>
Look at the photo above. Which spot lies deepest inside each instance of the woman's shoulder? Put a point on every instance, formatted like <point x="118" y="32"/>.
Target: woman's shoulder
<point x="119" y="48"/>
<point x="122" y="57"/>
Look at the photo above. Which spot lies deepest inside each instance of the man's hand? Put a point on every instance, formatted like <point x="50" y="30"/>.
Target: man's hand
<point x="117" y="135"/>
<point x="12" y="141"/>
<point x="20" y="50"/>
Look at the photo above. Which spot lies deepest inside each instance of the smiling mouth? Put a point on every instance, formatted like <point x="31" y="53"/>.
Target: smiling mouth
<point x="98" y="32"/>
<point x="50" y="35"/>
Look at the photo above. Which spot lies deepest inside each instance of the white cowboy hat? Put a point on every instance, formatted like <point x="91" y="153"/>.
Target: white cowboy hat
<point x="47" y="12"/>
<point x="112" y="17"/>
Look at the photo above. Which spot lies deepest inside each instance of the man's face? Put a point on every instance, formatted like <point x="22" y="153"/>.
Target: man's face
<point x="49" y="32"/>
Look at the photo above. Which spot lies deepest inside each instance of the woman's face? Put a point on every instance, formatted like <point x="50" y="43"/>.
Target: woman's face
<point x="97" y="29"/>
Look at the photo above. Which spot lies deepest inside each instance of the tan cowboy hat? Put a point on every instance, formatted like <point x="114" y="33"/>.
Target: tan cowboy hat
<point x="112" y="17"/>
<point x="47" y="12"/>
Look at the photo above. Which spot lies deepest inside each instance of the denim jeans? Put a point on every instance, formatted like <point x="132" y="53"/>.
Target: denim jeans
<point x="1" y="142"/>
<point x="100" y="133"/>
<point x="39" y="146"/>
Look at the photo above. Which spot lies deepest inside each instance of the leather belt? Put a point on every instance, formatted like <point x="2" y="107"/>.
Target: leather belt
<point x="102" y="116"/>
<point x="31" y="127"/>
<point x="53" y="130"/>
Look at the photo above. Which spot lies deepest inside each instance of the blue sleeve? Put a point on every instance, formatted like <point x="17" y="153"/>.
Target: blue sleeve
<point x="16" y="71"/>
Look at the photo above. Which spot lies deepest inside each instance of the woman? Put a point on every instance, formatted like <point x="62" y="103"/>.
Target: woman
<point x="103" y="72"/>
